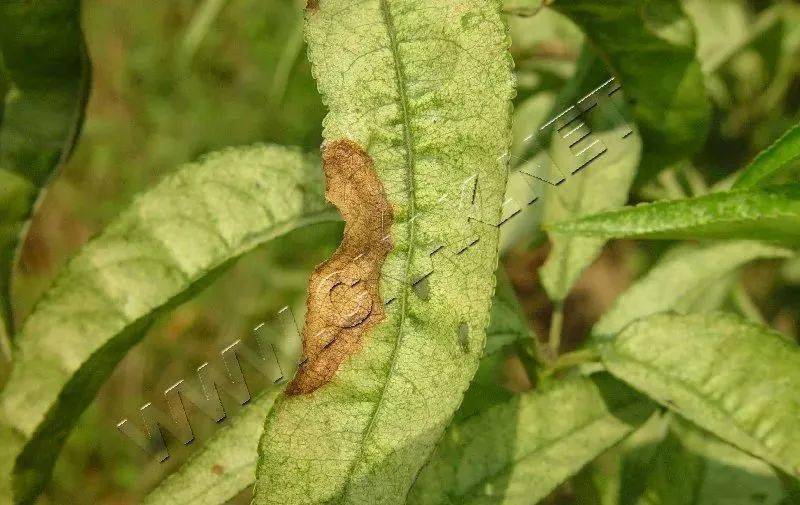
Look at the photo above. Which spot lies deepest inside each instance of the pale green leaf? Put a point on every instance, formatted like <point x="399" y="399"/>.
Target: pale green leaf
<point x="781" y="155"/>
<point x="519" y="451"/>
<point x="613" y="171"/>
<point x="171" y="240"/>
<point x="791" y="270"/>
<point x="650" y="46"/>
<point x="722" y="28"/>
<point x="425" y="88"/>
<point x="680" y="280"/>
<point x="47" y="71"/>
<point x="771" y="214"/>
<point x="736" y="379"/>
<point x="224" y="466"/>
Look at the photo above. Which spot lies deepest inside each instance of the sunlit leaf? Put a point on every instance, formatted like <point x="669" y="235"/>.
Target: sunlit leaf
<point x="680" y="280"/>
<point x="224" y="466"/>
<point x="771" y="214"/>
<point x="171" y="241"/>
<point x="420" y="90"/>
<point x="736" y="379"/>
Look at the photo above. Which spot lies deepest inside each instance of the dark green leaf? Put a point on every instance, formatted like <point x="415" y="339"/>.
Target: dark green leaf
<point x="650" y="46"/>
<point x="48" y="73"/>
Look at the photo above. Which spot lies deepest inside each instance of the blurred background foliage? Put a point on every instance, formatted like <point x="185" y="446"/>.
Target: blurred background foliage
<point x="174" y="80"/>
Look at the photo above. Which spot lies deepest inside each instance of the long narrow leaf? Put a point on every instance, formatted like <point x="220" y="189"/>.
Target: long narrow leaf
<point x="770" y="214"/>
<point x="225" y="465"/>
<point x="171" y="240"/>
<point x="47" y="69"/>
<point x="779" y="156"/>
<point x="419" y="95"/>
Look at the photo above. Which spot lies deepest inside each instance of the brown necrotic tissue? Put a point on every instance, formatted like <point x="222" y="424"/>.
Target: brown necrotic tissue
<point x="344" y="301"/>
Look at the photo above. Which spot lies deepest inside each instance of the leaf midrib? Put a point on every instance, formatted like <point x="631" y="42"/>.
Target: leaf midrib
<point x="409" y="147"/>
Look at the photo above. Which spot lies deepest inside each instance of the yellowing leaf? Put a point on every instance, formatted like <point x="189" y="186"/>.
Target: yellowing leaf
<point x="423" y="88"/>
<point x="168" y="243"/>
<point x="738" y="380"/>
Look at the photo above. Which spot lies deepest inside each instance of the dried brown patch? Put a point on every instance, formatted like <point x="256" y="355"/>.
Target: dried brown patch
<point x="217" y="469"/>
<point x="312" y="5"/>
<point x="344" y="302"/>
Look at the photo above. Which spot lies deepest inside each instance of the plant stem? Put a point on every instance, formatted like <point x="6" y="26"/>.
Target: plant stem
<point x="571" y="359"/>
<point x="556" y="326"/>
<point x="746" y="305"/>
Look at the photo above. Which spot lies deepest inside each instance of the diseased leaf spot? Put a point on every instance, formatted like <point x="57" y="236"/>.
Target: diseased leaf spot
<point x="312" y="5"/>
<point x="343" y="293"/>
<point x="217" y="469"/>
<point x="463" y="336"/>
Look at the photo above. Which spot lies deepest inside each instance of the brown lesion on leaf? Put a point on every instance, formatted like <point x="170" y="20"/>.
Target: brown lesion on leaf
<point x="312" y="5"/>
<point x="344" y="301"/>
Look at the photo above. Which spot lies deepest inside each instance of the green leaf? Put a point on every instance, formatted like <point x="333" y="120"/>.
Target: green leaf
<point x="724" y="28"/>
<point x="650" y="46"/>
<point x="508" y="327"/>
<point x="171" y="241"/>
<point x="47" y="70"/>
<point x="519" y="451"/>
<point x="692" y="467"/>
<point x="738" y="380"/>
<point x="680" y="281"/>
<point x="675" y="475"/>
<point x="424" y="87"/>
<point x="771" y="214"/>
<point x="613" y="171"/>
<point x="781" y="155"/>
<point x="224" y="466"/>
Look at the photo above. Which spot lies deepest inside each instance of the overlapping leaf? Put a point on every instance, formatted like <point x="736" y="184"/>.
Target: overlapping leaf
<point x="234" y="458"/>
<point x="46" y="67"/>
<point x="738" y="380"/>
<point x="770" y="214"/>
<point x="680" y="279"/>
<point x="650" y="46"/>
<point x="424" y="87"/>
<point x="691" y="467"/>
<point x="169" y="242"/>
<point x="519" y="451"/>
<point x="613" y="171"/>
<point x="224" y="466"/>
